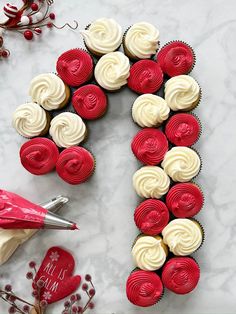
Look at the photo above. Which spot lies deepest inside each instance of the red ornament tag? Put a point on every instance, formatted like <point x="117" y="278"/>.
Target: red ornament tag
<point x="56" y="271"/>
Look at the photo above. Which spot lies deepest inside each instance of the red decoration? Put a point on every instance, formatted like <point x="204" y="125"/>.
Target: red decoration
<point x="56" y="273"/>
<point x="28" y="35"/>
<point x="34" y="7"/>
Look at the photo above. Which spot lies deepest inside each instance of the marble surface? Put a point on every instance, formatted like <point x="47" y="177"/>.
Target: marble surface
<point x="104" y="206"/>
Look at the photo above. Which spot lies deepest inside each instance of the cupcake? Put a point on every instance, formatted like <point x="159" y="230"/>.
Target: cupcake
<point x="75" y="67"/>
<point x="150" y="110"/>
<point x="67" y="129"/>
<point x="185" y="200"/>
<point x="75" y="165"/>
<point x="144" y="288"/>
<point x="183" y="236"/>
<point x="182" y="93"/>
<point x="39" y="155"/>
<point x="90" y="102"/>
<point x="151" y="182"/>
<point x="149" y="146"/>
<point x="141" y="41"/>
<point x="49" y="91"/>
<point x="176" y="58"/>
<point x="181" y="163"/>
<point x="149" y="252"/>
<point x="146" y="76"/>
<point x="102" y="36"/>
<point x="183" y="129"/>
<point x="151" y="216"/>
<point x="112" y="71"/>
<point x="181" y="275"/>
<point x="30" y="120"/>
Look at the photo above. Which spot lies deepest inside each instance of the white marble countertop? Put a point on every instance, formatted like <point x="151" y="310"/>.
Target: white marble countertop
<point x="104" y="206"/>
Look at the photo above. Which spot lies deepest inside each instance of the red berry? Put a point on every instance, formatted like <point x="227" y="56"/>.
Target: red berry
<point x="8" y="288"/>
<point x="88" y="277"/>
<point x="78" y="296"/>
<point x="43" y="303"/>
<point x="92" y="292"/>
<point x="40" y="283"/>
<point x="84" y="286"/>
<point x="52" y="16"/>
<point x="12" y="309"/>
<point x="32" y="264"/>
<point x="74" y="309"/>
<point x="79" y="309"/>
<point x="66" y="304"/>
<point x="49" y="25"/>
<point x="73" y="298"/>
<point x="28" y="35"/>
<point x="29" y="275"/>
<point x="35" y="293"/>
<point x="26" y="308"/>
<point x="38" y="30"/>
<point x="12" y="298"/>
<point x="5" y="53"/>
<point x="34" y="7"/>
<point x="91" y="305"/>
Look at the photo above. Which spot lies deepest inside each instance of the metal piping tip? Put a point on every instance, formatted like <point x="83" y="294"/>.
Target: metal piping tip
<point x="53" y="221"/>
<point x="56" y="203"/>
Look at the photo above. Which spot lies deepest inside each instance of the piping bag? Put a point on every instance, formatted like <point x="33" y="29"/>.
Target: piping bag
<point x="18" y="213"/>
<point x="11" y="239"/>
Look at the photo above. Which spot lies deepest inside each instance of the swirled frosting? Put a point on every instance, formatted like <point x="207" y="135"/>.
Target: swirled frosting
<point x="151" y="182"/>
<point x="29" y="120"/>
<point x="67" y="129"/>
<point x="142" y="40"/>
<point x="48" y="90"/>
<point x="151" y="216"/>
<point x="181" y="274"/>
<point x="144" y="288"/>
<point x="146" y="76"/>
<point x="183" y="129"/>
<point x="112" y="70"/>
<point x="89" y="101"/>
<point x="75" y="165"/>
<point x="176" y="58"/>
<point x="182" y="92"/>
<point x="103" y="36"/>
<point x="148" y="253"/>
<point x="184" y="200"/>
<point x="183" y="236"/>
<point x="181" y="164"/>
<point x="39" y="155"/>
<point x="149" y="146"/>
<point x="150" y="110"/>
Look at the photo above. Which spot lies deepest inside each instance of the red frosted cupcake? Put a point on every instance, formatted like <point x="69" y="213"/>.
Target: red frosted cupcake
<point x="75" y="165"/>
<point x="181" y="274"/>
<point x="39" y="155"/>
<point x="176" y="58"/>
<point x="144" y="288"/>
<point x="146" y="76"/>
<point x="90" y="102"/>
<point x="184" y="200"/>
<point x="75" y="67"/>
<point x="183" y="129"/>
<point x="149" y="146"/>
<point x="151" y="216"/>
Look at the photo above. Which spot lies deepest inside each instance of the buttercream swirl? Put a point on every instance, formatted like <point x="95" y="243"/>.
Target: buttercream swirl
<point x="67" y="129"/>
<point x="181" y="164"/>
<point x="148" y="253"/>
<point x="182" y="92"/>
<point x="151" y="182"/>
<point x="150" y="110"/>
<point x="29" y="120"/>
<point x="183" y="236"/>
<point x="103" y="36"/>
<point x="48" y="90"/>
<point x="144" y="288"/>
<point x="142" y="40"/>
<point x="112" y="70"/>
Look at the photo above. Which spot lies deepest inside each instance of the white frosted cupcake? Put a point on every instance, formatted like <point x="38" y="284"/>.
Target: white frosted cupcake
<point x="31" y="120"/>
<point x="183" y="236"/>
<point x="182" y="93"/>
<point x="102" y="36"/>
<point x="141" y="41"/>
<point x="112" y="71"/>
<point x="150" y="110"/>
<point x="49" y="91"/>
<point x="151" y="182"/>
<point x="67" y="129"/>
<point x="181" y="163"/>
<point x="149" y="253"/>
